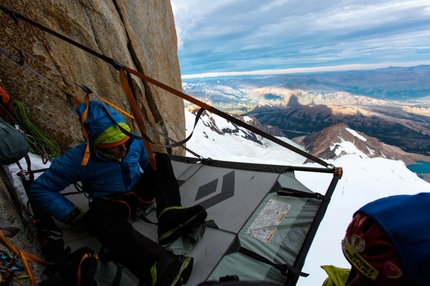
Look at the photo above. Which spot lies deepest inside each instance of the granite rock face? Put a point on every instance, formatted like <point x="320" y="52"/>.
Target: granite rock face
<point x="138" y="34"/>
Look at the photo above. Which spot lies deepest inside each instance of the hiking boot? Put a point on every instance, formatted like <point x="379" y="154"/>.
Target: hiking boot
<point x="175" y="221"/>
<point x="171" y="270"/>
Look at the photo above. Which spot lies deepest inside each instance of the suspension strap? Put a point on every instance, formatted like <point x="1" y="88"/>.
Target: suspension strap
<point x="85" y="132"/>
<point x="138" y="116"/>
<point x="20" y="61"/>
<point x="182" y="142"/>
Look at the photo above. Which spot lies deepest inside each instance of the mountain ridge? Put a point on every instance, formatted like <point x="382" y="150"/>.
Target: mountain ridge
<point x="393" y="83"/>
<point x="324" y="144"/>
<point x="302" y="104"/>
<point x="329" y="144"/>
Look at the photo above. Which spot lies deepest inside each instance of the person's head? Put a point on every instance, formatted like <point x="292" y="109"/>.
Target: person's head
<point x="113" y="141"/>
<point x="118" y="151"/>
<point x="373" y="257"/>
<point x="388" y="242"/>
<point x="105" y="128"/>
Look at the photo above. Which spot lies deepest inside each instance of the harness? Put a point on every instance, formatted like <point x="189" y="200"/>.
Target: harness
<point x="136" y="206"/>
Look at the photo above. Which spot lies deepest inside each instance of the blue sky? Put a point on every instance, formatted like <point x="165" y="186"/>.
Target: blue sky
<point x="229" y="37"/>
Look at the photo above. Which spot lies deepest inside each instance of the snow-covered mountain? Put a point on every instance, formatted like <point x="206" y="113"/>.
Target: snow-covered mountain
<point x="371" y="170"/>
<point x="333" y="142"/>
<point x="216" y="138"/>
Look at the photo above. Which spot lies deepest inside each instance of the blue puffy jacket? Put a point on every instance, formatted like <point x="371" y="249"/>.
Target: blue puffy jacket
<point x="102" y="175"/>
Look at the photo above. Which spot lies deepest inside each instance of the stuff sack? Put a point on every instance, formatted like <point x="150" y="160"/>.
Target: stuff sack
<point x="84" y="267"/>
<point x="13" y="145"/>
<point x="6" y="106"/>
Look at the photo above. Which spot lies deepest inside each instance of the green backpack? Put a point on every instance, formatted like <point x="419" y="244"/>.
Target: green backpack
<point x="13" y="145"/>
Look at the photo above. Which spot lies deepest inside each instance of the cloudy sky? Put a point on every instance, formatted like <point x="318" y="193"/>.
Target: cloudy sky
<point x="245" y="36"/>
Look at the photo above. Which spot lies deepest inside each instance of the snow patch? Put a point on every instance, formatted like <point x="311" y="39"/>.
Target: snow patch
<point x="353" y="132"/>
<point x="247" y="119"/>
<point x="346" y="147"/>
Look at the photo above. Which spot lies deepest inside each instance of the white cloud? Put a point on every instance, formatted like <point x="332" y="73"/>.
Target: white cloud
<point x="312" y="69"/>
<point x="191" y="15"/>
<point x="237" y="36"/>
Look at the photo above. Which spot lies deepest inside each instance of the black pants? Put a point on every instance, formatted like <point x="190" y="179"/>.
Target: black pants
<point x="160" y="184"/>
<point x="107" y="219"/>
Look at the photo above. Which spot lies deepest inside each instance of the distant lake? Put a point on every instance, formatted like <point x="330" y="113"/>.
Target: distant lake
<point x="420" y="168"/>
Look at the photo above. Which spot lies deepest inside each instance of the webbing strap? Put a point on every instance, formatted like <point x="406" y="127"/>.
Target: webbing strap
<point x="85" y="132"/>
<point x="116" y="107"/>
<point x="182" y="142"/>
<point x="145" y="219"/>
<point x="138" y="116"/>
<point x="79" y="273"/>
<point x="25" y="258"/>
<point x="20" y="61"/>
<point x="284" y="268"/>
<point x="282" y="191"/>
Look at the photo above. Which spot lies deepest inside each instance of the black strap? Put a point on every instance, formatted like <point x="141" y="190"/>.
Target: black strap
<point x="20" y="61"/>
<point x="145" y="219"/>
<point x="180" y="143"/>
<point x="284" y="268"/>
<point x="11" y="190"/>
<point x="282" y="191"/>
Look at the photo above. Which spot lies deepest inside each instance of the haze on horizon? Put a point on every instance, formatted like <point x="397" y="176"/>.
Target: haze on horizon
<point x="232" y="37"/>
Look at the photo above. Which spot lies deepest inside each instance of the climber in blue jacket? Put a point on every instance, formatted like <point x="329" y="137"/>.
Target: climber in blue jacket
<point x="113" y="178"/>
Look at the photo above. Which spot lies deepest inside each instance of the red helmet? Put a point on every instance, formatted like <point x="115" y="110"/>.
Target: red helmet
<point x="371" y="253"/>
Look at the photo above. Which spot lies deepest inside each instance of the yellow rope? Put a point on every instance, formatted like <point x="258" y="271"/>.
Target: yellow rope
<point x="49" y="146"/>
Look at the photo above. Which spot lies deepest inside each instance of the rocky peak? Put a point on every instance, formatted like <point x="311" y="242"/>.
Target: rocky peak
<point x="334" y="142"/>
<point x="231" y="128"/>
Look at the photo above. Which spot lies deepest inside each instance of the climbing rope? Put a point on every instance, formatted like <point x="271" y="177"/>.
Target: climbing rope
<point x="48" y="146"/>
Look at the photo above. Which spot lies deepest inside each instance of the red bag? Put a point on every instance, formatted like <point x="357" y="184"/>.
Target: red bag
<point x="5" y="104"/>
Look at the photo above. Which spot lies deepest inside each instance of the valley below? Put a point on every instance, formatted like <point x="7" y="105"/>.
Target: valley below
<point x="392" y="105"/>
<point x="390" y="124"/>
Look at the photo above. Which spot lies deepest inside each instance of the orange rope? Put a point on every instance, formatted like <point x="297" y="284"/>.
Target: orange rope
<point x="24" y="257"/>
